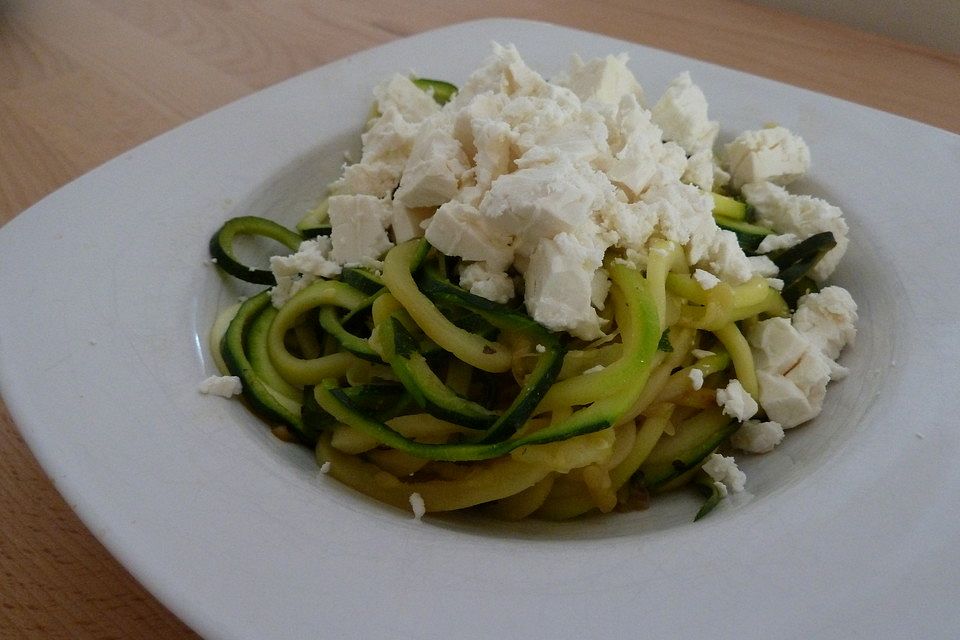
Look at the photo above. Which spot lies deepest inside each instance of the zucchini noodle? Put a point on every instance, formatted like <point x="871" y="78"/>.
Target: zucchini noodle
<point x="580" y="442"/>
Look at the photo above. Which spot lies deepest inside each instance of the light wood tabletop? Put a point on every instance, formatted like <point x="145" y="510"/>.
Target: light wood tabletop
<point x="84" y="80"/>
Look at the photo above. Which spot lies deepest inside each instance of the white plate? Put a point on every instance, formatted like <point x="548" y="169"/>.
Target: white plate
<point x="849" y="529"/>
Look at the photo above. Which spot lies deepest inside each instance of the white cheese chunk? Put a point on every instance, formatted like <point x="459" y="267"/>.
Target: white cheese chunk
<point x="774" y="154"/>
<point x="559" y="285"/>
<point x="481" y="281"/>
<point x="682" y="114"/>
<point x="407" y="223"/>
<point x="774" y="242"/>
<point x="736" y="402"/>
<point x="763" y="266"/>
<point x="311" y="257"/>
<point x="225" y="386"/>
<point x="295" y="271"/>
<point x="457" y="229"/>
<point x="791" y="372"/>
<point x="754" y="436"/>
<point x="431" y="175"/>
<point x="827" y="320"/>
<point x="542" y="201"/>
<point x="724" y="469"/>
<point x="377" y="179"/>
<point x="701" y="170"/>
<point x="493" y="151"/>
<point x="358" y="229"/>
<point x="399" y="92"/>
<point x="581" y="139"/>
<point x="605" y="80"/>
<point x="600" y="288"/>
<point x="640" y="158"/>
<point x="696" y="379"/>
<point x="389" y="140"/>
<point x="705" y="279"/>
<point x="802" y="216"/>
<point x="418" y="506"/>
<point x="632" y="224"/>
<point x="684" y="215"/>
<point x="474" y="113"/>
<point x="785" y="402"/>
<point x="503" y="72"/>
<point x="726" y="258"/>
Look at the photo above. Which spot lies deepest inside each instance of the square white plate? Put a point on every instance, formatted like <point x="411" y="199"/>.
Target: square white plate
<point x="849" y="528"/>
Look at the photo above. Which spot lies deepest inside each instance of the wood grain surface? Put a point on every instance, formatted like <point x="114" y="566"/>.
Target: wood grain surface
<point x="84" y="80"/>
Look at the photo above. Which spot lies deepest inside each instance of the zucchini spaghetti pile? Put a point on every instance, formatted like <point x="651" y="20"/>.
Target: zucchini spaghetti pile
<point x="542" y="298"/>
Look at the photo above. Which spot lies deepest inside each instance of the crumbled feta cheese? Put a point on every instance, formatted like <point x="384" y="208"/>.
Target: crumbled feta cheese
<point x="700" y="354"/>
<point x="605" y="80"/>
<point x="325" y="467"/>
<point x="409" y="100"/>
<point x="418" y="506"/>
<point x="726" y="257"/>
<point x="226" y="386"/>
<point x="599" y="288"/>
<point x="682" y="114"/>
<point x="481" y="281"/>
<point x="477" y="112"/>
<point x="493" y="152"/>
<point x="358" y="229"/>
<point x="689" y="213"/>
<point x="757" y="437"/>
<point x="407" y="223"/>
<point x="597" y="369"/>
<point x="736" y="402"/>
<point x="696" y="379"/>
<point x="775" y="242"/>
<point x="377" y="179"/>
<point x="312" y="256"/>
<point x="797" y="396"/>
<point x="640" y="158"/>
<point x="458" y="229"/>
<point x="503" y="72"/>
<point x="702" y="170"/>
<point x="388" y="141"/>
<point x="542" y="201"/>
<point x="705" y="279"/>
<point x="431" y="175"/>
<point x="294" y="272"/>
<point x="559" y="285"/>
<point x="683" y="214"/>
<point x="724" y="470"/>
<point x="631" y="225"/>
<point x="763" y="266"/>
<point x="540" y="348"/>
<point x="791" y="372"/>
<point x="802" y="216"/>
<point x="827" y="319"/>
<point x="774" y="154"/>
<point x="775" y="283"/>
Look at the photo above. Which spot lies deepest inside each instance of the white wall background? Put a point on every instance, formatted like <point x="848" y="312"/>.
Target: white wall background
<point x="932" y="23"/>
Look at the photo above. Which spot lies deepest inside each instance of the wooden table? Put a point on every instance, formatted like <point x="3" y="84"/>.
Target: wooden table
<point x="83" y="80"/>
